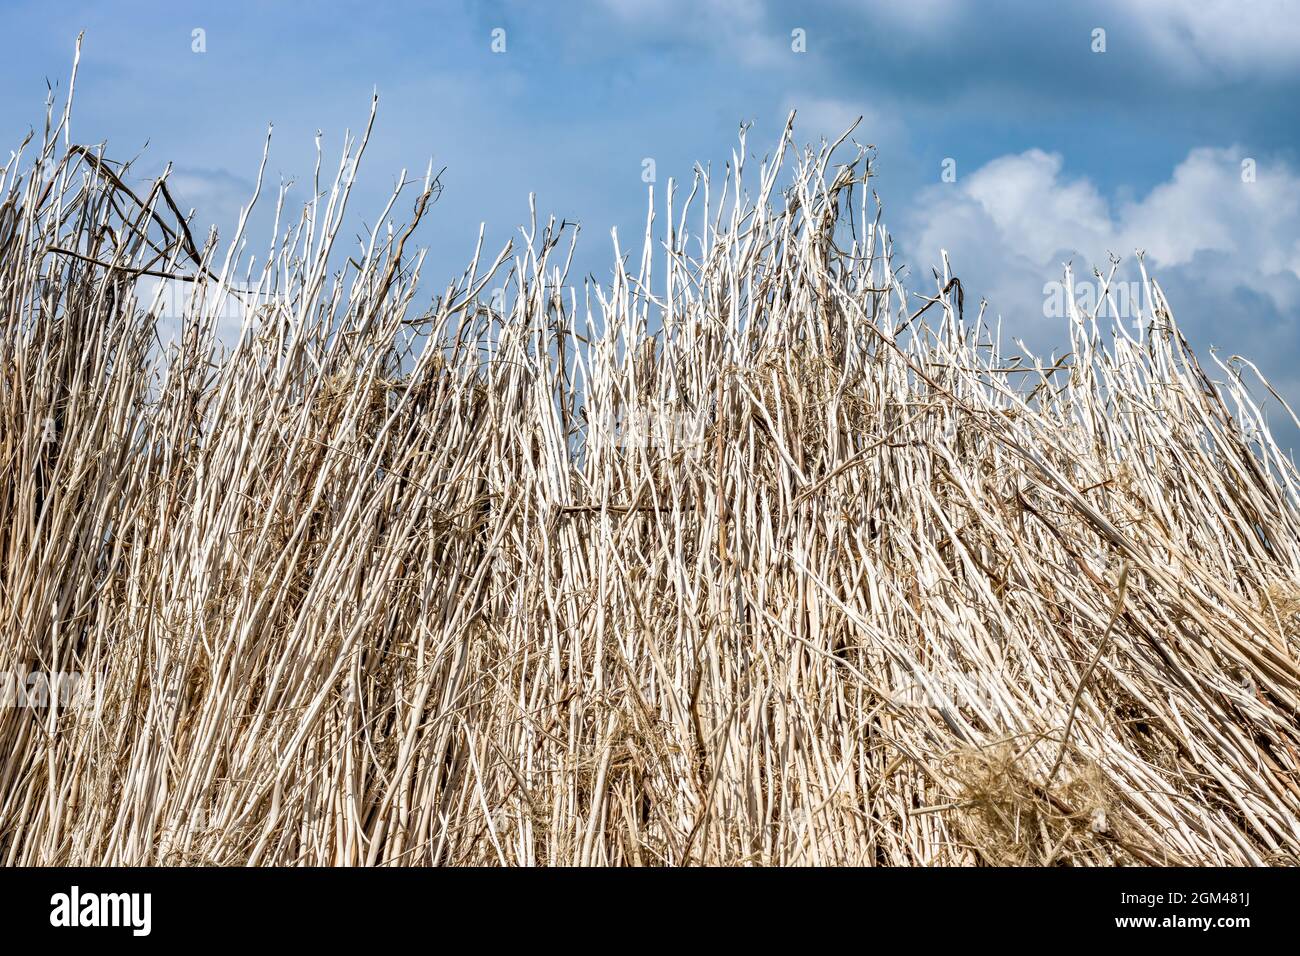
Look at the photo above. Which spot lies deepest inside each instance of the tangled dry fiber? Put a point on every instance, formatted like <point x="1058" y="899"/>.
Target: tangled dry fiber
<point x="744" y="557"/>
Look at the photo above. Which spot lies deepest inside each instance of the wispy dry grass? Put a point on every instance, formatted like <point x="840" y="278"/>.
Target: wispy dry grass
<point x="745" y="557"/>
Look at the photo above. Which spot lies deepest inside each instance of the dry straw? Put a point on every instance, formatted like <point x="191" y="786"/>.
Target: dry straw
<point x="742" y="558"/>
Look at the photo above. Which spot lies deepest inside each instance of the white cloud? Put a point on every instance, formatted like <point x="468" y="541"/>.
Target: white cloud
<point x="1019" y="216"/>
<point x="1032" y="207"/>
<point x="1207" y="207"/>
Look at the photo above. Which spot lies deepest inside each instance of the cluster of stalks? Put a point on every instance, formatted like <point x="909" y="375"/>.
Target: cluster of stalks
<point x="743" y="557"/>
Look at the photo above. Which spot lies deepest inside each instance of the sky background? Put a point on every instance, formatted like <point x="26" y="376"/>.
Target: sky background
<point x="1061" y="153"/>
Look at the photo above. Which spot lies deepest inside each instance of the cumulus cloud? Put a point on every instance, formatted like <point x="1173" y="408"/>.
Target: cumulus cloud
<point x="1023" y="210"/>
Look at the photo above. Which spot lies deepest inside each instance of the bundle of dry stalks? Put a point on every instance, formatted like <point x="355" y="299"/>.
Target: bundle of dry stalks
<point x="743" y="558"/>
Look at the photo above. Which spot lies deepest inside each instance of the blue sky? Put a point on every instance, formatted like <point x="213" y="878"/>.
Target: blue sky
<point x="1062" y="153"/>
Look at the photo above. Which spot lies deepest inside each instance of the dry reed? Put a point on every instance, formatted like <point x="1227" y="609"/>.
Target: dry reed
<point x="742" y="558"/>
